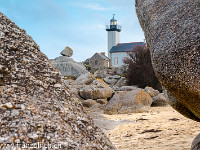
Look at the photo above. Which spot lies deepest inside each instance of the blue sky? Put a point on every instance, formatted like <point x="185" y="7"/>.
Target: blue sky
<point x="79" y="24"/>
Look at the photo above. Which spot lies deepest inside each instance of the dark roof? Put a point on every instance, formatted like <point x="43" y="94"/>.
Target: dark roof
<point x="125" y="47"/>
<point x="103" y="56"/>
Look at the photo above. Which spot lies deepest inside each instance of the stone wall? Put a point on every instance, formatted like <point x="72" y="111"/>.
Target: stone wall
<point x="97" y="62"/>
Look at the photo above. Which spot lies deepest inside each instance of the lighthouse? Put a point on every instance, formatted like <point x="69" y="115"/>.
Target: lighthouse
<point x="113" y="34"/>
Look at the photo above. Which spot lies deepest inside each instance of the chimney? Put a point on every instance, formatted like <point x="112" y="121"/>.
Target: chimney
<point x="103" y="53"/>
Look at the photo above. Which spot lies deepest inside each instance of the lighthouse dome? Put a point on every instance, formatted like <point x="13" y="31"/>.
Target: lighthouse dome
<point x="113" y="19"/>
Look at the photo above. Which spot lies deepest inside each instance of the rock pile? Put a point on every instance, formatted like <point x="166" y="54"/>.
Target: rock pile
<point x="111" y="77"/>
<point x="159" y="99"/>
<point x="34" y="103"/>
<point x="92" y="90"/>
<point x="103" y="73"/>
<point x="97" y="94"/>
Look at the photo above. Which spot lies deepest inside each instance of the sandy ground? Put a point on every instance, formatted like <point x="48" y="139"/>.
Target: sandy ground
<point x="161" y="128"/>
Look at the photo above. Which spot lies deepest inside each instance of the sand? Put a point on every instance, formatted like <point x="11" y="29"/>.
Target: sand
<point x="161" y="128"/>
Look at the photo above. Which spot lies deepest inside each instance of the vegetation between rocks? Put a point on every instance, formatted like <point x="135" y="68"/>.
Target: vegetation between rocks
<point x="140" y="70"/>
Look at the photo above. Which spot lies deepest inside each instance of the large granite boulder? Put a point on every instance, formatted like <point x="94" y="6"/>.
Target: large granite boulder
<point x="124" y="102"/>
<point x="110" y="80"/>
<point x="67" y="52"/>
<point x="103" y="73"/>
<point x="86" y="78"/>
<point x="70" y="85"/>
<point x="196" y="143"/>
<point x="151" y="91"/>
<point x="128" y="88"/>
<point x="159" y="100"/>
<point x="121" y="82"/>
<point x="172" y="31"/>
<point x="97" y="90"/>
<point x="68" y="67"/>
<point x="102" y="101"/>
<point x="89" y="103"/>
<point x="34" y="103"/>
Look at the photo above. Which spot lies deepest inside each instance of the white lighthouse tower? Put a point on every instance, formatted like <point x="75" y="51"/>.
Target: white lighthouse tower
<point x="113" y="34"/>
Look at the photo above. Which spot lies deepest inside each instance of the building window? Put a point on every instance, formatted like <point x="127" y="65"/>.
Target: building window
<point x="115" y="60"/>
<point x="96" y="62"/>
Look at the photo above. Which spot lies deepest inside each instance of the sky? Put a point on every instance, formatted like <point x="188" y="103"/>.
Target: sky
<point x="79" y="24"/>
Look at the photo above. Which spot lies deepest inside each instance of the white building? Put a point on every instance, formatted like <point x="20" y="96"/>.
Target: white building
<point x="117" y="51"/>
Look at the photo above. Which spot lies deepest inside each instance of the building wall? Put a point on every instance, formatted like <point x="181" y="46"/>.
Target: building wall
<point x="113" y="40"/>
<point x="117" y="58"/>
<point x="106" y="63"/>
<point x="97" y="62"/>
